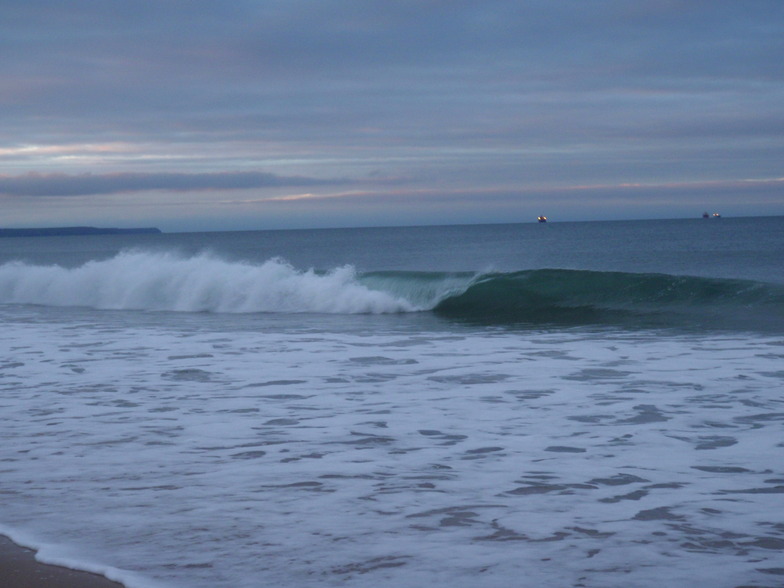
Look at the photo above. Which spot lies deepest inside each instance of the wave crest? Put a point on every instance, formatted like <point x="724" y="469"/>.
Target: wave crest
<point x="136" y="280"/>
<point x="580" y="297"/>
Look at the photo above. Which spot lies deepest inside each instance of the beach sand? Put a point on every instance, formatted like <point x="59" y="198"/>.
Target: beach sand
<point x="19" y="569"/>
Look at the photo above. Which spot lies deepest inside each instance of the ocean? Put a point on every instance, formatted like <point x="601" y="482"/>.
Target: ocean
<point x="595" y="404"/>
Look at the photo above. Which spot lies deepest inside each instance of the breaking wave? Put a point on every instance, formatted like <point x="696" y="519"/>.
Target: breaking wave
<point x="582" y="297"/>
<point x="136" y="280"/>
<point x="203" y="283"/>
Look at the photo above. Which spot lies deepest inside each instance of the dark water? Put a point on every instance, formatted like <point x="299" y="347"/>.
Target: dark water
<point x="717" y="273"/>
<point x="744" y="248"/>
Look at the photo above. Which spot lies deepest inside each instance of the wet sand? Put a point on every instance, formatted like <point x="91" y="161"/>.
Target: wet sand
<point x="19" y="569"/>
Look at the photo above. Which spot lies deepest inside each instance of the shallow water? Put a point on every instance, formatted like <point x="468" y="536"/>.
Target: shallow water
<point x="199" y="457"/>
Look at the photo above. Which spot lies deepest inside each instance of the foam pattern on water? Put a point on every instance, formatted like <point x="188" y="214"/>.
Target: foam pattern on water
<point x="201" y="458"/>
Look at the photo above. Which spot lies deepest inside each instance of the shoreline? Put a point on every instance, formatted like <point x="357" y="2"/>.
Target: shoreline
<point x="20" y="569"/>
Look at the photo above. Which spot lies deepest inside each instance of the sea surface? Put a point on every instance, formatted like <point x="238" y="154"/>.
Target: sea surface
<point x="565" y="404"/>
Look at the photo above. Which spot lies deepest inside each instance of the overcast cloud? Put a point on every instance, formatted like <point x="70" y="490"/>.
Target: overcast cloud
<point x="450" y="101"/>
<point x="58" y="184"/>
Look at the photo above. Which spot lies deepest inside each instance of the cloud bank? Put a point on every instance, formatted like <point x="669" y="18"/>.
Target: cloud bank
<point x="58" y="184"/>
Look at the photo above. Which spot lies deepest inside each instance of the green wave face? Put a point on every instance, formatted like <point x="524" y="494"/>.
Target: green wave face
<point x="424" y="290"/>
<point x="577" y="297"/>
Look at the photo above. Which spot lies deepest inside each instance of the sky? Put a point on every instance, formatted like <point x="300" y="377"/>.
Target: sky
<point x="265" y="114"/>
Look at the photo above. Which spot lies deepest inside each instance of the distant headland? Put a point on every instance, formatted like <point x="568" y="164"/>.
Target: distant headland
<point x="67" y="231"/>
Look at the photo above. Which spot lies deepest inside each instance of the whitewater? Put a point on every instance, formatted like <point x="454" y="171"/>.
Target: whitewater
<point x="369" y="407"/>
<point x="203" y="283"/>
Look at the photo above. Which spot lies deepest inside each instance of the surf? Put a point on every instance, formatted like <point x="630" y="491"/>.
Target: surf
<point x="135" y="280"/>
<point x="564" y="296"/>
<point x="165" y="281"/>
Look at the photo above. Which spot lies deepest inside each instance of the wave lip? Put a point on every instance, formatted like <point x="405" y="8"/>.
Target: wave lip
<point x="135" y="280"/>
<point x="580" y="297"/>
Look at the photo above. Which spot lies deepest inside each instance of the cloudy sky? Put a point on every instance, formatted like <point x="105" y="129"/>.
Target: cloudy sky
<point x="245" y="114"/>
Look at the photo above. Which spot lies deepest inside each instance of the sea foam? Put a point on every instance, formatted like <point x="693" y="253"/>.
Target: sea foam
<point x="198" y="456"/>
<point x="202" y="283"/>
